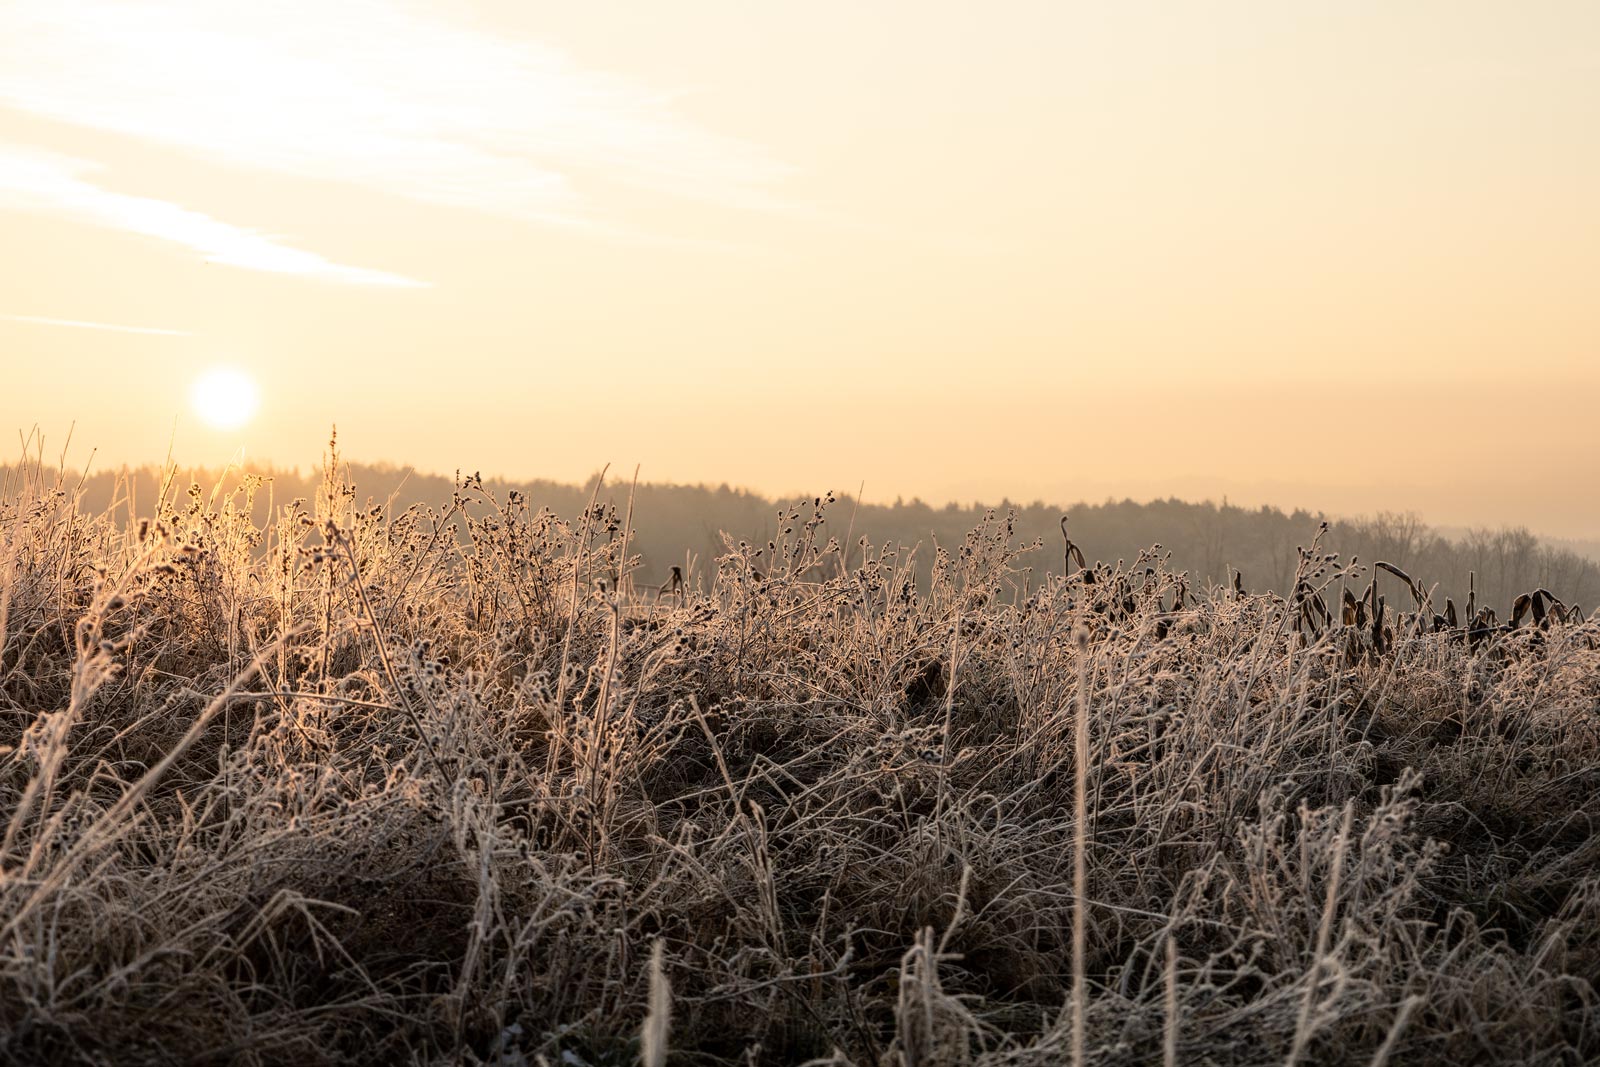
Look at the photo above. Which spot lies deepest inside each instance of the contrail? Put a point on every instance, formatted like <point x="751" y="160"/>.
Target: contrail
<point x="39" y="320"/>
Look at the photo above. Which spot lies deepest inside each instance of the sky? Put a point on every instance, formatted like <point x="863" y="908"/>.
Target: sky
<point x="1336" y="255"/>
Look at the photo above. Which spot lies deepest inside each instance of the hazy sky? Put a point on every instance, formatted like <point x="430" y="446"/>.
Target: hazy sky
<point x="1056" y="250"/>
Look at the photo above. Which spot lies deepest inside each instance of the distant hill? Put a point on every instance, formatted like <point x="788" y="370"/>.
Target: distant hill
<point x="681" y="525"/>
<point x="1587" y="549"/>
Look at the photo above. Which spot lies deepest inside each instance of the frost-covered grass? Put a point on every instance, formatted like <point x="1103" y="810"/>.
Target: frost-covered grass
<point x="424" y="788"/>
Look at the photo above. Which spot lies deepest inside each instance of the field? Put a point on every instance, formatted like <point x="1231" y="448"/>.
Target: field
<point x="421" y="786"/>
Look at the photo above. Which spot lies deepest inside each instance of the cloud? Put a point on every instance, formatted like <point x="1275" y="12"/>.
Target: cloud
<point x="380" y="94"/>
<point x="82" y="324"/>
<point x="48" y="183"/>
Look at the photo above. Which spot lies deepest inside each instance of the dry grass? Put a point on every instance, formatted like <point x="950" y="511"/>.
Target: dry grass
<point x="424" y="788"/>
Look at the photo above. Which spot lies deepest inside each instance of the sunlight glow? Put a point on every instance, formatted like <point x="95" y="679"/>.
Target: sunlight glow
<point x="224" y="398"/>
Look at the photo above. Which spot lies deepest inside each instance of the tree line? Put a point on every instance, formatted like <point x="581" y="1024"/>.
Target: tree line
<point x="682" y="525"/>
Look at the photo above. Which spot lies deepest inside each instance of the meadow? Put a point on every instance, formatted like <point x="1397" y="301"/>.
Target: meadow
<point x="452" y="784"/>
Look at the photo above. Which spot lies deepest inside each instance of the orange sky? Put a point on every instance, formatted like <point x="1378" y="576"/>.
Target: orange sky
<point x="1052" y="250"/>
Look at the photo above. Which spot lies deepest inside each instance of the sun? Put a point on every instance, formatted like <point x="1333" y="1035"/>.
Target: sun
<point x="225" y="398"/>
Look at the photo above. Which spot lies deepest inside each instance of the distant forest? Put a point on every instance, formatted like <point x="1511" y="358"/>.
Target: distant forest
<point x="681" y="525"/>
